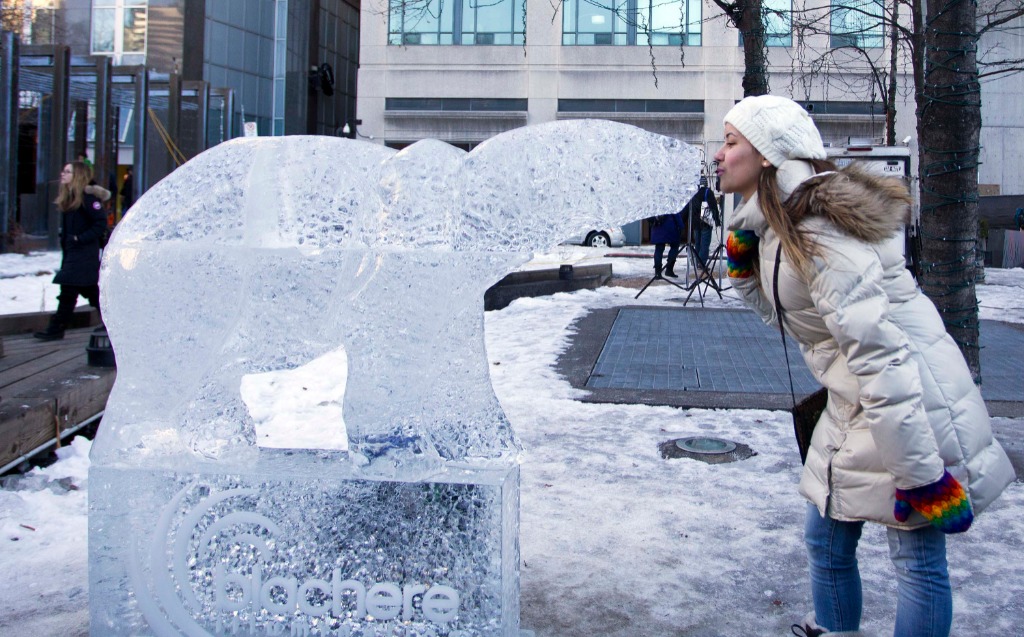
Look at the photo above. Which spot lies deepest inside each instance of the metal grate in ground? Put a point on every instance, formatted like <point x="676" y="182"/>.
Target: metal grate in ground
<point x="695" y="349"/>
<point x="716" y="350"/>
<point x="1002" y="361"/>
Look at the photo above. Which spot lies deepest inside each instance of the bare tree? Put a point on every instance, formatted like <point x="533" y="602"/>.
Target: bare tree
<point x="940" y="41"/>
<point x="1003" y="17"/>
<point x="949" y="128"/>
<point x="867" y="47"/>
<point x="748" y="16"/>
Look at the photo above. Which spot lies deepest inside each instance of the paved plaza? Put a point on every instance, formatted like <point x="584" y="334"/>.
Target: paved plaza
<point x="728" y="358"/>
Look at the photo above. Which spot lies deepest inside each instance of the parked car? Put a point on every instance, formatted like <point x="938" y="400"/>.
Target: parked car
<point x="600" y="238"/>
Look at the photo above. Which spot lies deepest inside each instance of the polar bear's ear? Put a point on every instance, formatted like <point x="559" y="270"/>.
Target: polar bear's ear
<point x="419" y="202"/>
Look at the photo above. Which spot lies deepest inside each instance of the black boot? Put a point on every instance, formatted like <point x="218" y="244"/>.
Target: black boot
<point x="53" y="332"/>
<point x="657" y="273"/>
<point x="670" y="270"/>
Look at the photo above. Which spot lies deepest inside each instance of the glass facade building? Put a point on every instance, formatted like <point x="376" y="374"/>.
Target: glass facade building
<point x="262" y="50"/>
<point x="149" y="84"/>
<point x="270" y="52"/>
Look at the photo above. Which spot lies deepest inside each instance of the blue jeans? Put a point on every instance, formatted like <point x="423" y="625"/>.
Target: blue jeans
<point x="702" y="243"/>
<point x="924" y="604"/>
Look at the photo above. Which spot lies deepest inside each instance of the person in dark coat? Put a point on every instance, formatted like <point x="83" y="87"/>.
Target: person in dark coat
<point x="127" y="191"/>
<point x="83" y="226"/>
<point x="666" y="229"/>
<point x="700" y="229"/>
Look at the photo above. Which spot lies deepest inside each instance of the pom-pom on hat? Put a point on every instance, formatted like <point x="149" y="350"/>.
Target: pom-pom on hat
<point x="778" y="127"/>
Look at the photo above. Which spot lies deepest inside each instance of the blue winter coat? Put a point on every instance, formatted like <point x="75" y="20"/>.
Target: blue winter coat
<point x="668" y="228"/>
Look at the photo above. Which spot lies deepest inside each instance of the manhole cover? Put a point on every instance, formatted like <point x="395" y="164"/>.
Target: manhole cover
<point x="705" y="449"/>
<point x="703" y="445"/>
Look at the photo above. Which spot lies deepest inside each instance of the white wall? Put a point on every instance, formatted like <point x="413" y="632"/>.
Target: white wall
<point x="544" y="71"/>
<point x="1002" y="114"/>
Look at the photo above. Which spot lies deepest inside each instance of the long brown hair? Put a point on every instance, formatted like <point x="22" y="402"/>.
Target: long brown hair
<point x="70" y="196"/>
<point x="784" y="217"/>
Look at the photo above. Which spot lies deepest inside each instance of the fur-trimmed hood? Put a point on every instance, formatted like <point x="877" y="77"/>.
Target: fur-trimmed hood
<point x="869" y="207"/>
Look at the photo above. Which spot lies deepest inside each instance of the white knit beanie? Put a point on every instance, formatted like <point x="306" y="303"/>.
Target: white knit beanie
<point x="778" y="127"/>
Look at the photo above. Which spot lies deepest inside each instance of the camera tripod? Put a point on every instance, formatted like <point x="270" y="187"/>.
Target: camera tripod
<point x="659" y="277"/>
<point x="704" y="272"/>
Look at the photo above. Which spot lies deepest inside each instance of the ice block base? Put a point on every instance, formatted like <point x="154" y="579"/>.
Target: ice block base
<point x="264" y="554"/>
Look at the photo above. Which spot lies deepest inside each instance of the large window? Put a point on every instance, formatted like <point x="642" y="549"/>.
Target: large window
<point x="857" y="23"/>
<point x="462" y="104"/>
<point x="777" y="17"/>
<point x="498" y="22"/>
<point x="630" y="106"/>
<point x="778" y="22"/>
<point x="119" y="27"/>
<point x="628" y="22"/>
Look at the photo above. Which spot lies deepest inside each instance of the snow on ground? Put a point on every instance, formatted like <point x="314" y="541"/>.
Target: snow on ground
<point x="1001" y="298"/>
<point x="616" y="541"/>
<point x="43" y="531"/>
<point x="25" y="282"/>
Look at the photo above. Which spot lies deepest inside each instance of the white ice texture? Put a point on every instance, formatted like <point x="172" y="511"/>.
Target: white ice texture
<point x="297" y="256"/>
<point x="264" y="254"/>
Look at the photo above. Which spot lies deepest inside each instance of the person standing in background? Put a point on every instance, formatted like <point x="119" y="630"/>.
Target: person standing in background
<point x="703" y="215"/>
<point x="666" y="229"/>
<point x="83" y="227"/>
<point x="127" y="191"/>
<point x="82" y="157"/>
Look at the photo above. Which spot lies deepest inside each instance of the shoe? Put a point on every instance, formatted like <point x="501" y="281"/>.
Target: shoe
<point x="53" y="332"/>
<point x="671" y="274"/>
<point x="807" y="627"/>
<point x="810" y="628"/>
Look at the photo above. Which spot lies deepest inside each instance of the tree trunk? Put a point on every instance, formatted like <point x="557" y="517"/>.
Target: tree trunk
<point x="755" y="53"/>
<point x="745" y="15"/>
<point x="890" y="96"/>
<point x="948" y="127"/>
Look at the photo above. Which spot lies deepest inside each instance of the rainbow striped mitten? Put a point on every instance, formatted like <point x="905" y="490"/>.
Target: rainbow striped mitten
<point x="741" y="248"/>
<point x="943" y="503"/>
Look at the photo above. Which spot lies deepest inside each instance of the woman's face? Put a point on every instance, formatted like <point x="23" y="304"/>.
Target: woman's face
<point x="739" y="164"/>
<point x="67" y="174"/>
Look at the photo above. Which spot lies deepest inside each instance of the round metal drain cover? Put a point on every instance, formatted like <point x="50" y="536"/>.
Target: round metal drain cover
<point x="710" y="446"/>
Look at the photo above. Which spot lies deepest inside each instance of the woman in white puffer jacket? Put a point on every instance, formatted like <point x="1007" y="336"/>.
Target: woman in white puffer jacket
<point x="905" y="440"/>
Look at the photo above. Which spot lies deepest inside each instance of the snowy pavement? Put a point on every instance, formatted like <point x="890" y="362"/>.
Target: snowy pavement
<point x="616" y="541"/>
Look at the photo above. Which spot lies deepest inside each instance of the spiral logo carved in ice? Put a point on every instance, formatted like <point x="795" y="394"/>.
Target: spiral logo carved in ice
<point x="172" y="603"/>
